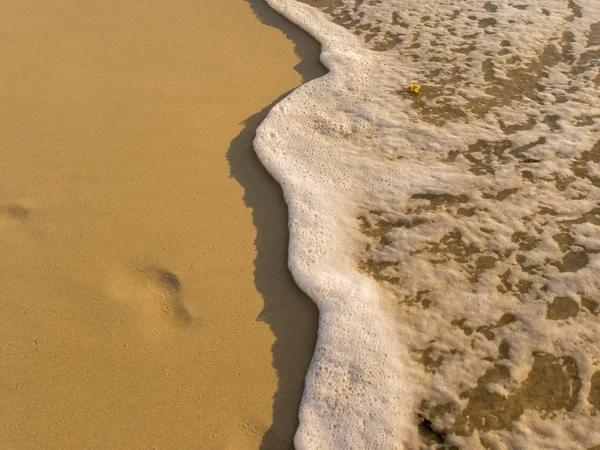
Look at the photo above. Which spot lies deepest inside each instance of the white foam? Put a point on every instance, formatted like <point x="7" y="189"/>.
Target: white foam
<point x="352" y="142"/>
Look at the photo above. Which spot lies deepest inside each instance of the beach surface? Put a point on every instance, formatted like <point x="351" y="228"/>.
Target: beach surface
<point x="145" y="297"/>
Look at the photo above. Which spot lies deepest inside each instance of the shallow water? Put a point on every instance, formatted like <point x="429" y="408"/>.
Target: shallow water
<point x="451" y="240"/>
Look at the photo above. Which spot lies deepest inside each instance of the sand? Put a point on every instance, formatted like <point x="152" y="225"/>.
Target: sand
<point x="145" y="297"/>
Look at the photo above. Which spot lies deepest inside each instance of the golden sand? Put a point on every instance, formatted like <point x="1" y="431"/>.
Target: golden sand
<point x="132" y="274"/>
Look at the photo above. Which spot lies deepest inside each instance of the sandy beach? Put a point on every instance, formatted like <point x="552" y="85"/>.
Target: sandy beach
<point x="146" y="301"/>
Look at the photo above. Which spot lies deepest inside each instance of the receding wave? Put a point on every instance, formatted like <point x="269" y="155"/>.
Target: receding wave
<point x="451" y="239"/>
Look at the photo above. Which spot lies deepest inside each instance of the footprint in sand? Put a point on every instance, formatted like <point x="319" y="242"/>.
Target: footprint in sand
<point x="154" y="296"/>
<point x="13" y="212"/>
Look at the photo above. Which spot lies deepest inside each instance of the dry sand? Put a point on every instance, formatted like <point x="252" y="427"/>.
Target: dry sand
<point x="140" y="237"/>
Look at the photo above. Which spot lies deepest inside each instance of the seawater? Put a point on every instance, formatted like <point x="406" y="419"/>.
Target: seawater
<point x="451" y="240"/>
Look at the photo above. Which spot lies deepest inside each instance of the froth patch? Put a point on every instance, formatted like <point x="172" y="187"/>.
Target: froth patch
<point x="472" y="209"/>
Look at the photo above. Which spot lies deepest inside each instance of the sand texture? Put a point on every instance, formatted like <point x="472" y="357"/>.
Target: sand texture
<point x="144" y="277"/>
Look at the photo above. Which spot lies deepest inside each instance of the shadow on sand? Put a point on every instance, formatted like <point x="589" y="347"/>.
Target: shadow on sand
<point x="291" y="315"/>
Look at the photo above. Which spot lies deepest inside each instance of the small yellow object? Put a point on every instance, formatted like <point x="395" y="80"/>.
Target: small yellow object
<point x="414" y="90"/>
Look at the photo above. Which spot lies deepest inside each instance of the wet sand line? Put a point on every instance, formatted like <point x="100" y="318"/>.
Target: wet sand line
<point x="290" y="314"/>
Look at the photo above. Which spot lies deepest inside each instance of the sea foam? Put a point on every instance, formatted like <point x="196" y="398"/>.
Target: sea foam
<point x="450" y="240"/>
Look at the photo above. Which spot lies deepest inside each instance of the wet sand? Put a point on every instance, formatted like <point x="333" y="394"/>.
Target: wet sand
<point x="146" y="301"/>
